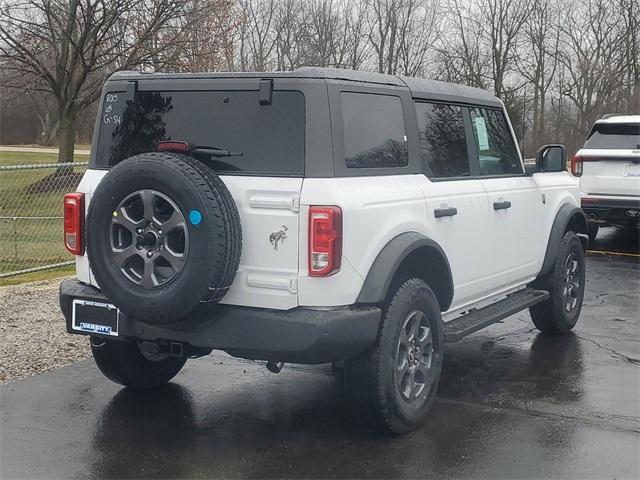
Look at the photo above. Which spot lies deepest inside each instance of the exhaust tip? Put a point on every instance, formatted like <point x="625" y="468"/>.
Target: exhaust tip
<point x="275" y="367"/>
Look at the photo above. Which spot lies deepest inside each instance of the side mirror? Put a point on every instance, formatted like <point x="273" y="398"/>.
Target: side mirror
<point x="551" y="158"/>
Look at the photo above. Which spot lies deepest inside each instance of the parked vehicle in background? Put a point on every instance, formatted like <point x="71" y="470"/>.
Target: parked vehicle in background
<point x="608" y="166"/>
<point x="314" y="216"/>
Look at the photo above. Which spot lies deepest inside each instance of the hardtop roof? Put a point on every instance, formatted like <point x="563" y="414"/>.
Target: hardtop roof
<point x="420" y="88"/>
<point x="622" y="118"/>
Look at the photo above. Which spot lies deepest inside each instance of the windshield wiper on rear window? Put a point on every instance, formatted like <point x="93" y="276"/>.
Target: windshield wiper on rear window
<point x="215" y="151"/>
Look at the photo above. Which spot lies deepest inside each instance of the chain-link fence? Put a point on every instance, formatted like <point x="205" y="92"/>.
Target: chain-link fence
<point x="31" y="215"/>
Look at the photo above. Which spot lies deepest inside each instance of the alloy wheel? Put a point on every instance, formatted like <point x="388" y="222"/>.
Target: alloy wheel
<point x="414" y="357"/>
<point x="149" y="238"/>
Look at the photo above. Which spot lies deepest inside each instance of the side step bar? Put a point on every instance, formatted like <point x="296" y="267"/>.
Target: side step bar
<point x="475" y="320"/>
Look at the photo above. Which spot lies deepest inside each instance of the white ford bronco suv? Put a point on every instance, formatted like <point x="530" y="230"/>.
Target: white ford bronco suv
<point x="314" y="216"/>
<point x="608" y="166"/>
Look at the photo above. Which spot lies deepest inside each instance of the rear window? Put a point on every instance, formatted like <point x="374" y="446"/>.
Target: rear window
<point x="618" y="136"/>
<point x="374" y="131"/>
<point x="270" y="137"/>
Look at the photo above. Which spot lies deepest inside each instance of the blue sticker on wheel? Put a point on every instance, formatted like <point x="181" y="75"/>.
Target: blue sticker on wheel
<point x="195" y="217"/>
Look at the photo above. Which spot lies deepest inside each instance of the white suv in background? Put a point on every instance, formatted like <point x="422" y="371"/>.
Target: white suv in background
<point x="609" y="170"/>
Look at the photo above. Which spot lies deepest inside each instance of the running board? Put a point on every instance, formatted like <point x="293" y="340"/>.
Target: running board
<point x="476" y="320"/>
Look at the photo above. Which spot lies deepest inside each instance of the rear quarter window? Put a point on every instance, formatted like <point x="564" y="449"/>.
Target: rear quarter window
<point x="374" y="131"/>
<point x="270" y="137"/>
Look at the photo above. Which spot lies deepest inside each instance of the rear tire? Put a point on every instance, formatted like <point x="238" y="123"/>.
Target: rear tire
<point x="565" y="284"/>
<point x="592" y="231"/>
<point x="123" y="363"/>
<point x="393" y="385"/>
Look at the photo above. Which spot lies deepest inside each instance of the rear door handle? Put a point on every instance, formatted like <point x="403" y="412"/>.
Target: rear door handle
<point x="502" y="205"/>
<point x="445" y="212"/>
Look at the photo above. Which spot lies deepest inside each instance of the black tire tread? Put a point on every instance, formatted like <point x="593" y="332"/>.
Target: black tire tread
<point x="233" y="225"/>
<point x="550" y="316"/>
<point x="363" y="375"/>
<point x="122" y="363"/>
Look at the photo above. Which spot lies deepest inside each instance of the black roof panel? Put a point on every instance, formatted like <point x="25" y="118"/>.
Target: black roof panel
<point x="420" y="88"/>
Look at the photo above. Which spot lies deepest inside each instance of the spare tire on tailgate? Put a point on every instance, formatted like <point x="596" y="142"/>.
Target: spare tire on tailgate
<point x="163" y="234"/>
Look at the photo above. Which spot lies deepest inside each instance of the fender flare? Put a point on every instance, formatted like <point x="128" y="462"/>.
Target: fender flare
<point x="567" y="214"/>
<point x="388" y="261"/>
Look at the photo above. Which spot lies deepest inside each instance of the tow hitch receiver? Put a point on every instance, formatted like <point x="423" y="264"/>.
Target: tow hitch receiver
<point x="171" y="348"/>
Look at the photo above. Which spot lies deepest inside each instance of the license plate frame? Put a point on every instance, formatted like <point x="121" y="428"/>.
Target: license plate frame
<point x="631" y="170"/>
<point x="96" y="318"/>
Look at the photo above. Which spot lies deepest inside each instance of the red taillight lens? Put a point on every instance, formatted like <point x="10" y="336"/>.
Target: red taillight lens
<point x="74" y="222"/>
<point x="325" y="241"/>
<point x="576" y="166"/>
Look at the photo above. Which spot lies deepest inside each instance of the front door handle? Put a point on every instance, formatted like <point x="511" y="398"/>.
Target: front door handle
<point x="502" y="205"/>
<point x="445" y="212"/>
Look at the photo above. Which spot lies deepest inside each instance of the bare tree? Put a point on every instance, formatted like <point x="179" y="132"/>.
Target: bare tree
<point x="324" y="26"/>
<point x="591" y="52"/>
<point x="206" y="40"/>
<point x="70" y="46"/>
<point x="258" y="38"/>
<point x="501" y="22"/>
<point x="630" y="11"/>
<point x="537" y="61"/>
<point x="417" y="37"/>
<point x="290" y="27"/>
<point x="351" y="46"/>
<point x="556" y="64"/>
<point x="401" y="33"/>
<point x="461" y="57"/>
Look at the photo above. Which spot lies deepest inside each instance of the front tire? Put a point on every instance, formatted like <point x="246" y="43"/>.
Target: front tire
<point x="565" y="284"/>
<point x="124" y="363"/>
<point x="393" y="385"/>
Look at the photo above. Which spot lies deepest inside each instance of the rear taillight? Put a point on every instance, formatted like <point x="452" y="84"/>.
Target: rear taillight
<point x="577" y="163"/>
<point x="325" y="241"/>
<point x="74" y="222"/>
<point x="576" y="166"/>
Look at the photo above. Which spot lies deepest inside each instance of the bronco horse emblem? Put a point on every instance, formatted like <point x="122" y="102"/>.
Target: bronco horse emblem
<point x="277" y="237"/>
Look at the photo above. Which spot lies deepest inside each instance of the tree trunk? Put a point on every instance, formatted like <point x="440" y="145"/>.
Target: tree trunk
<point x="66" y="139"/>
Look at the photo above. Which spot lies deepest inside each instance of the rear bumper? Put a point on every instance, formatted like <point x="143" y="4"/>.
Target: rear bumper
<point x="603" y="210"/>
<point x="300" y="335"/>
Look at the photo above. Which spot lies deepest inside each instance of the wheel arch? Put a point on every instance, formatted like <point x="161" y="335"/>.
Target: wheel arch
<point x="413" y="254"/>
<point x="568" y="218"/>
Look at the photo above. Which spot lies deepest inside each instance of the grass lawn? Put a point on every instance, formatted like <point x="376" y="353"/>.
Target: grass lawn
<point x="27" y="158"/>
<point x="77" y="146"/>
<point x="26" y="241"/>
<point x="36" y="276"/>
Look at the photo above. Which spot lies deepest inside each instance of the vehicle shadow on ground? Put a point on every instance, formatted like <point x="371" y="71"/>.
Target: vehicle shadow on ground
<point x="269" y="427"/>
<point x="615" y="239"/>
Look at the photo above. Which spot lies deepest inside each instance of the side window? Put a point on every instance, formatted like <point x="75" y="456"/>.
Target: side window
<point x="374" y="131"/>
<point x="497" y="154"/>
<point x="443" y="144"/>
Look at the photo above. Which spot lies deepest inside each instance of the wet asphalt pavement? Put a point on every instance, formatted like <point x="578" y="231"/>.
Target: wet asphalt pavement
<point x="511" y="403"/>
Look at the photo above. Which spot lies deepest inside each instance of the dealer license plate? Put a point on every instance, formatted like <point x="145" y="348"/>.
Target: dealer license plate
<point x="95" y="317"/>
<point x="632" y="170"/>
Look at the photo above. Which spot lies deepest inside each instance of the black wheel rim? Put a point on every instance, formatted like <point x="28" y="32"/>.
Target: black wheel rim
<point x="572" y="285"/>
<point x="414" y="357"/>
<point x="149" y="239"/>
